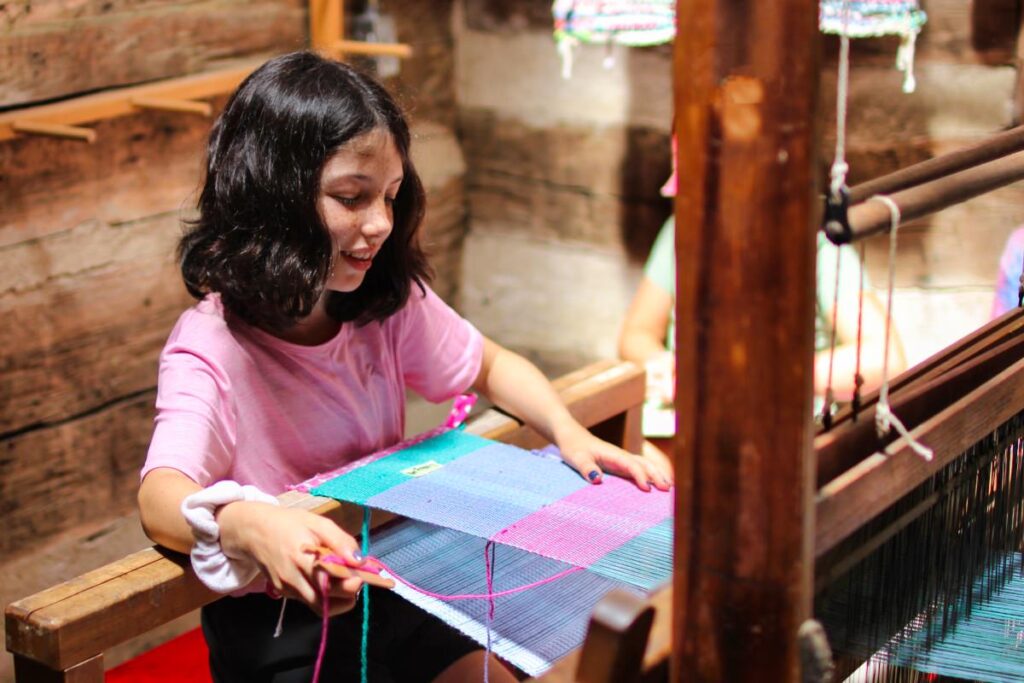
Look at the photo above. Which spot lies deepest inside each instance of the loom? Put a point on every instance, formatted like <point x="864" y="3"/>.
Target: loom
<point x="760" y="524"/>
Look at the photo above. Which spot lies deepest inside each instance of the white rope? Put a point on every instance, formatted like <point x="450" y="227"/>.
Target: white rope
<point x="905" y="60"/>
<point x="839" y="166"/>
<point x="884" y="417"/>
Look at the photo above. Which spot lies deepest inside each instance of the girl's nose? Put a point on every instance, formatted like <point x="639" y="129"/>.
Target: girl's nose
<point x="378" y="221"/>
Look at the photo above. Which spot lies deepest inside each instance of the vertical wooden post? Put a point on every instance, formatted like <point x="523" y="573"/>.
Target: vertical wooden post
<point x="746" y="75"/>
<point x="326" y="25"/>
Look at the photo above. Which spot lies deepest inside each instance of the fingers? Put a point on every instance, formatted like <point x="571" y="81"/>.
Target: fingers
<point x="659" y="461"/>
<point x="340" y="543"/>
<point x="587" y="467"/>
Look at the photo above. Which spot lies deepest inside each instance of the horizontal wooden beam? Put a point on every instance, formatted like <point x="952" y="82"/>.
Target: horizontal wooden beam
<point x="872" y="217"/>
<point x="359" y="47"/>
<point x="994" y="147"/>
<point x="859" y="494"/>
<point x="121" y="101"/>
<point x="175" y="94"/>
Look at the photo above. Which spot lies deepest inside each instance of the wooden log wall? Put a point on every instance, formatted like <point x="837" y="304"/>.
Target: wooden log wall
<point x="89" y="286"/>
<point x="563" y="178"/>
<point x="563" y="174"/>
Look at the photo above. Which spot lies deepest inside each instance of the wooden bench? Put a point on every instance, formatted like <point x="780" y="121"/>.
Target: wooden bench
<point x="61" y="633"/>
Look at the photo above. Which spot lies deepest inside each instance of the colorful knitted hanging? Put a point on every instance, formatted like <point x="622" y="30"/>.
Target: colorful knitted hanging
<point x="875" y="18"/>
<point x="626" y="22"/>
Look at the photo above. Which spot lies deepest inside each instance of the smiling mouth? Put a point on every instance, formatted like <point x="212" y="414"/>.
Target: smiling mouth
<point x="358" y="261"/>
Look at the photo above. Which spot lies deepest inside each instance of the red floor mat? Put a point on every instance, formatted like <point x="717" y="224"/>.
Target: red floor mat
<point x="181" y="660"/>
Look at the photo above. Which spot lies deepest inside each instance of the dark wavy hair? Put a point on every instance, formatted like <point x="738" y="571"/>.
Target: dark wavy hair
<point x="259" y="240"/>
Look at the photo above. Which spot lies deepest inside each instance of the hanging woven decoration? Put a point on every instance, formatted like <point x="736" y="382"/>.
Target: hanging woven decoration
<point x="626" y="22"/>
<point x="875" y="18"/>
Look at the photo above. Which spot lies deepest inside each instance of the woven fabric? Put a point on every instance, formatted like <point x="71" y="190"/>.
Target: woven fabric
<point x="459" y="491"/>
<point x="533" y="629"/>
<point x="525" y="499"/>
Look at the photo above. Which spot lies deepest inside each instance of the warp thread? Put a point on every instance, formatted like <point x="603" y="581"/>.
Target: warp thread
<point x="490" y="596"/>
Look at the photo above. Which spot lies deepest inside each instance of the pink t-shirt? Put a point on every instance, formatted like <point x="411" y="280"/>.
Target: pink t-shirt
<point x="234" y="402"/>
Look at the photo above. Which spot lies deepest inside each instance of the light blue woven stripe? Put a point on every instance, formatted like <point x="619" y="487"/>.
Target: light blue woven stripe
<point x="361" y="484"/>
<point x="531" y="629"/>
<point x="483" y="494"/>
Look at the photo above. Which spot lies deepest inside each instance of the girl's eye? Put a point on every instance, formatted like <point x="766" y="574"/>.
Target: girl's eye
<point x="348" y="201"/>
<point x="390" y="201"/>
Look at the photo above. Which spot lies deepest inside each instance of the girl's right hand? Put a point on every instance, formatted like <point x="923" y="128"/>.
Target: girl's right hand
<point x="281" y="540"/>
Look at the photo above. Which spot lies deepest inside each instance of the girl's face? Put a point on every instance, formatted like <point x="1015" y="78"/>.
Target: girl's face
<point x="358" y="186"/>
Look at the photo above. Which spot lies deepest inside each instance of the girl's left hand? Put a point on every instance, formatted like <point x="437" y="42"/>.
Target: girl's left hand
<point x="592" y="457"/>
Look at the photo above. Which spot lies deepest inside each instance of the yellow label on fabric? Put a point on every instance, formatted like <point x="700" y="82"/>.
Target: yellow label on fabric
<point x="421" y="469"/>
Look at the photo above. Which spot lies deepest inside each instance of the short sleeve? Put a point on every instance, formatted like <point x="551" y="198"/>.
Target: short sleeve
<point x="1011" y="263"/>
<point x="194" y="426"/>
<point x="440" y="352"/>
<point x="661" y="263"/>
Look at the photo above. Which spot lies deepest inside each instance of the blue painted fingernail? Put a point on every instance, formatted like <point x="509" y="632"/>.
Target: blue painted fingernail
<point x="357" y="556"/>
<point x="594" y="474"/>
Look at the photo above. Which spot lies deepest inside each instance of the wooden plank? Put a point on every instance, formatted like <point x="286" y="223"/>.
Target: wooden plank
<point x="118" y="102"/>
<point x="843" y="448"/>
<point x="43" y="59"/>
<point x="89" y="465"/>
<point x="994" y="27"/>
<point x="970" y="346"/>
<point x="69" y="623"/>
<point x="616" y="639"/>
<point x="745" y="95"/>
<point x="80" y="342"/>
<point x="140" y="166"/>
<point x="881" y="479"/>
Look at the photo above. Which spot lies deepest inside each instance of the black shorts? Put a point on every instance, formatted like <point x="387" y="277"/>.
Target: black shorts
<point x="405" y="643"/>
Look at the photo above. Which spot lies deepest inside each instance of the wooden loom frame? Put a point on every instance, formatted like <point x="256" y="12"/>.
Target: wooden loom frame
<point x="59" y="635"/>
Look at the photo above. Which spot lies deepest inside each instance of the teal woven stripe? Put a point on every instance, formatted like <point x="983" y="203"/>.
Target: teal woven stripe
<point x="644" y="561"/>
<point x="361" y="484"/>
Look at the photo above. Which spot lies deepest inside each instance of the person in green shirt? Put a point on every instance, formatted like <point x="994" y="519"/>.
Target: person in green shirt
<point x="648" y="331"/>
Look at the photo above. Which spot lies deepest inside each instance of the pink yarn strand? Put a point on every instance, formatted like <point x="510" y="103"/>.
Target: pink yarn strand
<point x="325" y="585"/>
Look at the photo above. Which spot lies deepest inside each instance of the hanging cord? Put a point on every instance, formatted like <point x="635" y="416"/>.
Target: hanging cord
<point x="884" y="417"/>
<point x="279" y="629"/>
<point x="371" y="562"/>
<point x="839" y="165"/>
<point x="905" y="59"/>
<point x="489" y="559"/>
<point x="826" y="410"/>
<point x="364" y="642"/>
<point x="858" y="378"/>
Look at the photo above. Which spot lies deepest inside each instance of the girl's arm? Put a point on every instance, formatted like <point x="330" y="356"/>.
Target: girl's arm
<point x="513" y="383"/>
<point x="278" y="539"/>
<point x="645" y="326"/>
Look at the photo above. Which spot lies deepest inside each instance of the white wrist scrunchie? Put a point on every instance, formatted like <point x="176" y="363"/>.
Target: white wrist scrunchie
<point x="217" y="570"/>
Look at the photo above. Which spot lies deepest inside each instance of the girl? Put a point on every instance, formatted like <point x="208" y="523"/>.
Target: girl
<point x="313" y="317"/>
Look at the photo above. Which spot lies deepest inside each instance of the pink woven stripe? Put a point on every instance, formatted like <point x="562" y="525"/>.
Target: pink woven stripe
<point x="588" y="524"/>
